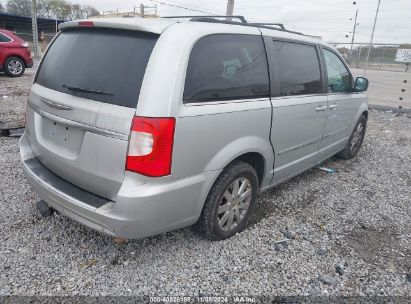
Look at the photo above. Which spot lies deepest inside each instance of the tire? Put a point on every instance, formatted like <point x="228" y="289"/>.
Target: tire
<point x="222" y="207"/>
<point x="355" y="142"/>
<point x="14" y="67"/>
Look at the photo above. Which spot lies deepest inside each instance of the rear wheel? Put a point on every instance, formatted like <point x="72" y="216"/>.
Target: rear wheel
<point x="355" y="142"/>
<point x="230" y="202"/>
<point x="14" y="67"/>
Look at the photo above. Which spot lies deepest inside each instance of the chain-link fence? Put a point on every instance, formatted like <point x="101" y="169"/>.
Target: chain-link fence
<point x="44" y="39"/>
<point x="22" y="27"/>
<point x="389" y="80"/>
<point x="381" y="57"/>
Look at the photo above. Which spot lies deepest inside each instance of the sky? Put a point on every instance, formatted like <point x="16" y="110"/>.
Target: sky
<point x="329" y="19"/>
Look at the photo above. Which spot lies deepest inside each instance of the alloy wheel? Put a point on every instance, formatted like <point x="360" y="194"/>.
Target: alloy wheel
<point x="234" y="204"/>
<point x="357" y="138"/>
<point x="15" y="67"/>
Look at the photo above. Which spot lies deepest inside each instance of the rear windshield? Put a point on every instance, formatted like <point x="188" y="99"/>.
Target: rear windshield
<point x="106" y="65"/>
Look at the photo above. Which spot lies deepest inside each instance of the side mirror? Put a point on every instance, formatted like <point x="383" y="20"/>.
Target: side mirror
<point x="361" y="84"/>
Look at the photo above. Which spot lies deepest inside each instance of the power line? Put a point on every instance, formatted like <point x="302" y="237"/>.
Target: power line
<point x="334" y="9"/>
<point x="182" y="7"/>
<point x="194" y="6"/>
<point x="207" y="11"/>
<point x="334" y="4"/>
<point x="342" y="18"/>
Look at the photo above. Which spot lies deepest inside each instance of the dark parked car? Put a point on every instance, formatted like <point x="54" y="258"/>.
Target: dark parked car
<point x="15" y="55"/>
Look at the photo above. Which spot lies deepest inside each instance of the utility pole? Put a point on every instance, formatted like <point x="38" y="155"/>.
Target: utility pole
<point x="34" y="28"/>
<point x="142" y="10"/>
<point x="353" y="32"/>
<point x="230" y="8"/>
<point x="372" y="37"/>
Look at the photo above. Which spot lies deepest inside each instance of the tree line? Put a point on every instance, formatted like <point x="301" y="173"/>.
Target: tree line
<point x="51" y="9"/>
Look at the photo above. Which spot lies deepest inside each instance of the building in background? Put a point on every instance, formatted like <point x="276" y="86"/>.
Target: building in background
<point x="117" y="14"/>
<point x="139" y="11"/>
<point x="47" y="28"/>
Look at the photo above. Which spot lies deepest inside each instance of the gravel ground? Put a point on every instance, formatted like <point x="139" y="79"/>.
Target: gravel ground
<point x="13" y="93"/>
<point x="349" y="234"/>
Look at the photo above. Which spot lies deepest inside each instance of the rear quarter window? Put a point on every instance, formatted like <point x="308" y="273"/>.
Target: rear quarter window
<point x="4" y="38"/>
<point x="111" y="63"/>
<point x="227" y="67"/>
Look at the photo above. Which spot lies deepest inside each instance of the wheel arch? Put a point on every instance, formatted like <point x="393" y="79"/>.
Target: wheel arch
<point x="255" y="160"/>
<point x="253" y="150"/>
<point x="362" y="110"/>
<point x="14" y="55"/>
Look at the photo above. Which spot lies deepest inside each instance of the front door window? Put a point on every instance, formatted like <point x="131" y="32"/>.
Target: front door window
<point x="339" y="78"/>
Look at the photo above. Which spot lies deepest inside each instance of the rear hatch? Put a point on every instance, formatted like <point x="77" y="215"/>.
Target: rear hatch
<point x="81" y="105"/>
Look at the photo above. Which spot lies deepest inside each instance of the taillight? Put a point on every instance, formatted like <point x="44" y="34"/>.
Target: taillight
<point x="151" y="146"/>
<point x="25" y="44"/>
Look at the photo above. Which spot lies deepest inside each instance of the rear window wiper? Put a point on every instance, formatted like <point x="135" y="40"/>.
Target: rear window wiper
<point x="81" y="90"/>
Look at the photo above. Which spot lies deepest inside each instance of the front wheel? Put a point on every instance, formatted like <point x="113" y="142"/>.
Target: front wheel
<point x="355" y="142"/>
<point x="14" y="67"/>
<point x="230" y="202"/>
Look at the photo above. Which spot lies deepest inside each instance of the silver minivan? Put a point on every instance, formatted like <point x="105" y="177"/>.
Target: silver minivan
<point x="136" y="127"/>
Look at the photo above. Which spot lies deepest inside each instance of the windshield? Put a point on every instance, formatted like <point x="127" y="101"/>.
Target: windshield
<point x="106" y="65"/>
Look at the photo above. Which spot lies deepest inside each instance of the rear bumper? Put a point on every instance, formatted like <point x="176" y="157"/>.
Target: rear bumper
<point x="140" y="210"/>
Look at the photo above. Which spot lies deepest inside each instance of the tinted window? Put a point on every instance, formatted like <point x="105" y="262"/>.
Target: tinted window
<point x="111" y="63"/>
<point x="227" y="67"/>
<point x="298" y="68"/>
<point x="339" y="79"/>
<point x="4" y="38"/>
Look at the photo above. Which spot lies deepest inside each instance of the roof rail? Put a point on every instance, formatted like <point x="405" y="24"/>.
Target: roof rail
<point x="263" y="24"/>
<point x="280" y="27"/>
<point x="241" y="18"/>
<point x="243" y="22"/>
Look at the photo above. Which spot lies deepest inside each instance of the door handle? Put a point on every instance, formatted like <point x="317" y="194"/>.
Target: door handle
<point x="333" y="106"/>
<point x="321" y="108"/>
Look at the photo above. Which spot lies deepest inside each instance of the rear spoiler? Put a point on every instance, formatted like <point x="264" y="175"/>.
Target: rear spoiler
<point x="155" y="26"/>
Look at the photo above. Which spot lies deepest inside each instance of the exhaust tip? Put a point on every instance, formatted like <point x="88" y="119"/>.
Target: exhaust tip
<point x="44" y="209"/>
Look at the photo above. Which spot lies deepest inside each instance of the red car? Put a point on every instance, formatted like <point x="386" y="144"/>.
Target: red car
<point x="15" y="55"/>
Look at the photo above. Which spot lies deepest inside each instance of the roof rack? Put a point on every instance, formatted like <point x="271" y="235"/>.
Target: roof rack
<point x="263" y="24"/>
<point x="229" y="18"/>
<point x="243" y="22"/>
<point x="281" y="27"/>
